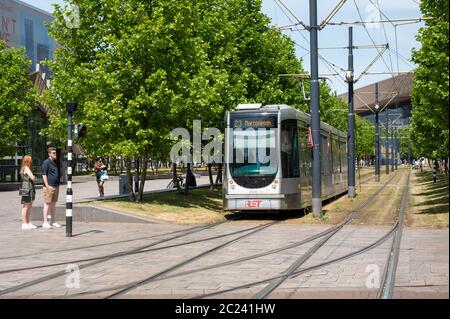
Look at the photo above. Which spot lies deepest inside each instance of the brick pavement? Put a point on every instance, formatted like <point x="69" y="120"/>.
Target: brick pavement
<point x="422" y="270"/>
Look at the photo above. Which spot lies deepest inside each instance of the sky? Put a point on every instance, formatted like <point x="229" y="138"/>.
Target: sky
<point x="337" y="36"/>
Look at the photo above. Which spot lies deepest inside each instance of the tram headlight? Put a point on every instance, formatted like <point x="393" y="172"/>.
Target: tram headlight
<point x="275" y="184"/>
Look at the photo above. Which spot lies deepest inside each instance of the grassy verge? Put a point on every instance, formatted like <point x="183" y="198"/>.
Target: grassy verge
<point x="205" y="206"/>
<point x="428" y="202"/>
<point x="199" y="206"/>
<point x="335" y="210"/>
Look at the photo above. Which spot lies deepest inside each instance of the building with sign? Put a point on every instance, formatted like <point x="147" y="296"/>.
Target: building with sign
<point x="22" y="25"/>
<point x="394" y="100"/>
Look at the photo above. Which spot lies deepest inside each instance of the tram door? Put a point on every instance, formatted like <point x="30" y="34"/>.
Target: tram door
<point x="325" y="165"/>
<point x="305" y="164"/>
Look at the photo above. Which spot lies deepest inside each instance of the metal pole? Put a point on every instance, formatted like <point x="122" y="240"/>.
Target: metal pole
<point x="377" y="137"/>
<point x="435" y="166"/>
<point x="409" y="152"/>
<point x="396" y="149"/>
<point x="392" y="148"/>
<point x="386" y="151"/>
<point x="315" y="107"/>
<point x="351" y="119"/>
<point x="136" y="180"/>
<point x="69" y="193"/>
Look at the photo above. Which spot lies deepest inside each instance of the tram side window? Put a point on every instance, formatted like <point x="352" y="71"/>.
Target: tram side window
<point x="289" y="149"/>
<point x="325" y="155"/>
<point x="336" y="155"/>
<point x="343" y="153"/>
<point x="305" y="152"/>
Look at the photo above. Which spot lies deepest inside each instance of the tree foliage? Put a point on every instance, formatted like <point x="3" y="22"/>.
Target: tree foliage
<point x="16" y="98"/>
<point x="334" y="111"/>
<point x="138" y="69"/>
<point x="431" y="83"/>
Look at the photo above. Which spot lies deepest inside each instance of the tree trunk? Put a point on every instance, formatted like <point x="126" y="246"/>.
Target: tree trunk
<point x="143" y="176"/>
<point x="188" y="171"/>
<point x="131" y="195"/>
<point x="175" y="179"/>
<point x="219" y="175"/>
<point x="211" y="182"/>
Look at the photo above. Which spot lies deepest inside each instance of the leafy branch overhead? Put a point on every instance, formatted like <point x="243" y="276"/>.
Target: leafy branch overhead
<point x="430" y="130"/>
<point x="17" y="98"/>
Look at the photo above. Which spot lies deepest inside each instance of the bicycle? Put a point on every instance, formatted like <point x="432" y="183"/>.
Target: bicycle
<point x="175" y="182"/>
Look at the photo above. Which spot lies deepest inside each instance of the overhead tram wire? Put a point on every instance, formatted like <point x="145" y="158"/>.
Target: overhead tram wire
<point x="395" y="83"/>
<point x="384" y="29"/>
<point x="371" y="38"/>
<point x="327" y="63"/>
<point x="331" y="66"/>
<point x="396" y="42"/>
<point x="361" y="22"/>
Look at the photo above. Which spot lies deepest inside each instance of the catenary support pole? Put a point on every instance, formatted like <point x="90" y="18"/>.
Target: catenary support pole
<point x="377" y="136"/>
<point x="409" y="152"/>
<point x="315" y="107"/>
<point x="386" y="157"/>
<point x="392" y="148"/>
<point x="396" y="149"/>
<point x="351" y="119"/>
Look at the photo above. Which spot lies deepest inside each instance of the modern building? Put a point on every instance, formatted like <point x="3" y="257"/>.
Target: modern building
<point x="394" y="100"/>
<point x="22" y="25"/>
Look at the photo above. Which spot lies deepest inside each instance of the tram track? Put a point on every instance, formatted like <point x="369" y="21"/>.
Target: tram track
<point x="386" y="290"/>
<point x="165" y="274"/>
<point x="292" y="271"/>
<point x="97" y="260"/>
<point x="133" y="252"/>
<point x="327" y="233"/>
<point x="99" y="245"/>
<point x="183" y="263"/>
<point x="113" y="242"/>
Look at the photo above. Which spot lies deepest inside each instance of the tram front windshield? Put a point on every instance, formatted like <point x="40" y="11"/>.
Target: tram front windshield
<point x="254" y="162"/>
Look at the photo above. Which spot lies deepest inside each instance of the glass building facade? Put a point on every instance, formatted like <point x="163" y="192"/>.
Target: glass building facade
<point x="23" y="26"/>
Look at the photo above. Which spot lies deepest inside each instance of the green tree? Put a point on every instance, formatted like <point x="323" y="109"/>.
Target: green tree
<point x="140" y="68"/>
<point x="431" y="83"/>
<point x="334" y="111"/>
<point x="16" y="98"/>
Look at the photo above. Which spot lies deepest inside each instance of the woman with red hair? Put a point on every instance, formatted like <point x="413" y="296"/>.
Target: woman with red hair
<point x="26" y="171"/>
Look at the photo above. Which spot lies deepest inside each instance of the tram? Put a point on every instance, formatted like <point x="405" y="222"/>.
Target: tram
<point x="268" y="159"/>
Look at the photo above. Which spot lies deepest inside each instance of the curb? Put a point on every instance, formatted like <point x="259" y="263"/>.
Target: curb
<point x="93" y="214"/>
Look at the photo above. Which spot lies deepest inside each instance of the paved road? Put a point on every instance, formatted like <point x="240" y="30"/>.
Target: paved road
<point x="422" y="273"/>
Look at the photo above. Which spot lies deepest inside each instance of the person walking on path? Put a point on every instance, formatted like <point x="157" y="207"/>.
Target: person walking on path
<point x="26" y="172"/>
<point x="101" y="176"/>
<point x="50" y="177"/>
